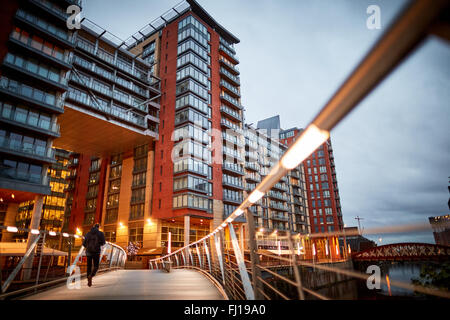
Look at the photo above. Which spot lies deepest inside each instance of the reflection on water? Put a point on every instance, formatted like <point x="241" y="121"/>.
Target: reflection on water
<point x="403" y="272"/>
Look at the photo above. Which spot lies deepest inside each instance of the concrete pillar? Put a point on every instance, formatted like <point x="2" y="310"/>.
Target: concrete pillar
<point x="241" y="237"/>
<point x="35" y="223"/>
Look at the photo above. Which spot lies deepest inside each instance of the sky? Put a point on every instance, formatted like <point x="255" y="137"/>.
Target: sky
<point x="392" y="153"/>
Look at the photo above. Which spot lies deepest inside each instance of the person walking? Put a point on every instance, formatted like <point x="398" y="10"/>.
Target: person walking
<point x="93" y="241"/>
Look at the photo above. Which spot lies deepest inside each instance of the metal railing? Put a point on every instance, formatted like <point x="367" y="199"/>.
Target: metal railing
<point x="48" y="259"/>
<point x="299" y="267"/>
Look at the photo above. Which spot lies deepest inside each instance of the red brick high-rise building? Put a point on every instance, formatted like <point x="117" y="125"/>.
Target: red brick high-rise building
<point x="324" y="203"/>
<point x="200" y="100"/>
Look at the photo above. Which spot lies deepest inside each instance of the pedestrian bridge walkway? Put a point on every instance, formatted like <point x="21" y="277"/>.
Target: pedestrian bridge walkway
<point x="179" y="284"/>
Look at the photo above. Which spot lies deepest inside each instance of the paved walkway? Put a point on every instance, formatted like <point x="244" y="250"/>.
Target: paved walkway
<point x="138" y="285"/>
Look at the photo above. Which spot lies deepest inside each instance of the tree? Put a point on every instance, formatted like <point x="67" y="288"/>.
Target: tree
<point x="132" y="249"/>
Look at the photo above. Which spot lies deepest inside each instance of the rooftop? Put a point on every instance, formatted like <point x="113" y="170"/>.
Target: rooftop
<point x="172" y="14"/>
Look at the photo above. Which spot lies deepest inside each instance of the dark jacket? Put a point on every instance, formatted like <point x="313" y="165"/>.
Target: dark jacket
<point x="93" y="240"/>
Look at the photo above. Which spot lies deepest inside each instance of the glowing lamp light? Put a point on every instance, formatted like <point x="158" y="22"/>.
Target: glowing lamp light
<point x="13" y="196"/>
<point x="314" y="249"/>
<point x="52" y="233"/>
<point x="121" y="224"/>
<point x="349" y="249"/>
<point x="261" y="230"/>
<point x="149" y="222"/>
<point x="34" y="231"/>
<point x="65" y="235"/>
<point x="255" y="196"/>
<point x="309" y="141"/>
<point x="77" y="236"/>
<point x="169" y="249"/>
<point x="12" y="229"/>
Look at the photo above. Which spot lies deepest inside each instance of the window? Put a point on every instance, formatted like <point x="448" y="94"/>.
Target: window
<point x="110" y="236"/>
<point x="136" y="211"/>
<point x="140" y="164"/>
<point x="115" y="172"/>
<point x="111" y="216"/>
<point x="112" y="201"/>
<point x="138" y="195"/>
<point x="114" y="186"/>
<point x="136" y="235"/>
<point x="139" y="179"/>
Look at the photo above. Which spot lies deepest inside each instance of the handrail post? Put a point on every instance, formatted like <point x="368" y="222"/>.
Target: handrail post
<point x="200" y="262"/>
<point x="248" y="289"/>
<point x="111" y="256"/>
<point x="190" y="255"/>
<point x="254" y="258"/>
<point x="176" y="258"/>
<point x="207" y="255"/>
<point x="297" y="275"/>
<point x="219" y="256"/>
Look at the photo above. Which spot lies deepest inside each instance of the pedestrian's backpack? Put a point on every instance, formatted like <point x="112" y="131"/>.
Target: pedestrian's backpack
<point x="92" y="243"/>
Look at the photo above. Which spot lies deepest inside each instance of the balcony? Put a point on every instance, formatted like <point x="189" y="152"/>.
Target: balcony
<point x="252" y="166"/>
<point x="28" y="94"/>
<point x="230" y="112"/>
<point x="233" y="168"/>
<point x="48" y="128"/>
<point x="128" y="116"/>
<point x="234" y="102"/>
<point x="230" y="77"/>
<point x="36" y="183"/>
<point x="52" y="8"/>
<point x="280" y="186"/>
<point x="232" y="139"/>
<point x="23" y="66"/>
<point x="295" y="174"/>
<point x="231" y="153"/>
<point x="230" y="89"/>
<point x="61" y="35"/>
<point x="232" y="199"/>
<point x="229" y="66"/>
<point x="61" y="61"/>
<point x="255" y="177"/>
<point x="278" y="195"/>
<point x="279" y="217"/>
<point x="230" y="54"/>
<point x="251" y="155"/>
<point x="251" y="144"/>
<point x="27" y="150"/>
<point x="232" y="185"/>
<point x="108" y="57"/>
<point x="231" y="125"/>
